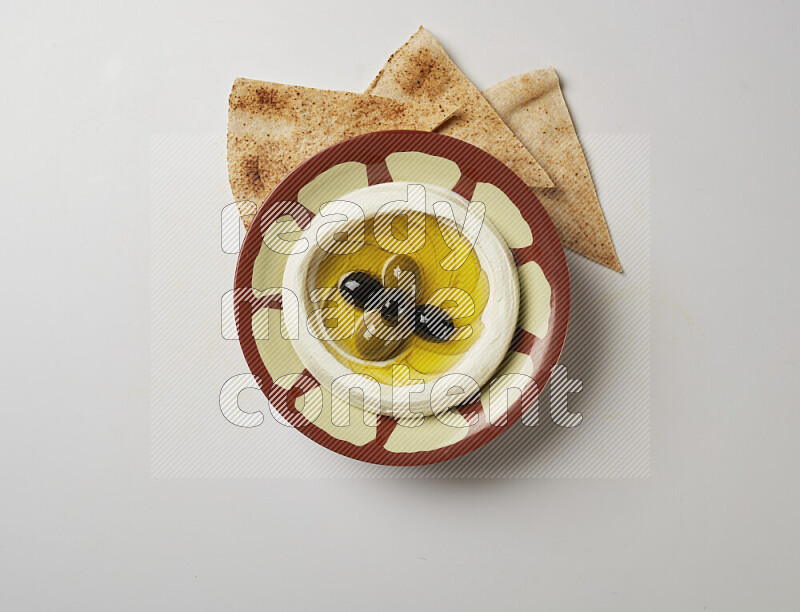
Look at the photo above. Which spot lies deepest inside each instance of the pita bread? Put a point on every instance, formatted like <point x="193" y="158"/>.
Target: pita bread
<point x="272" y="128"/>
<point x="421" y="70"/>
<point x="533" y="106"/>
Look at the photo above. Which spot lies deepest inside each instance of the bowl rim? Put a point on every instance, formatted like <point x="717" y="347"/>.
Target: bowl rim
<point x="504" y="298"/>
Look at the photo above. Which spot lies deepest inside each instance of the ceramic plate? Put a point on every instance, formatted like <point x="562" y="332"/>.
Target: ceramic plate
<point x="416" y="157"/>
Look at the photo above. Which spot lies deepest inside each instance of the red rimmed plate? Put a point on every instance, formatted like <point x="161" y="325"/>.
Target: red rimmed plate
<point x="426" y="158"/>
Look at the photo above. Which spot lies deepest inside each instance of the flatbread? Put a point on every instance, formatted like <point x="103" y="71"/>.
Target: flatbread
<point x="421" y="70"/>
<point x="272" y="128"/>
<point x="533" y="106"/>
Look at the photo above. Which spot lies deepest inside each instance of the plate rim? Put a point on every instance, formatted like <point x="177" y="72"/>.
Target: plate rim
<point x="371" y="149"/>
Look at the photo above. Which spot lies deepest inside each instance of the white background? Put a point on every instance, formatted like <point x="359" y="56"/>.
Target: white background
<point x="85" y="527"/>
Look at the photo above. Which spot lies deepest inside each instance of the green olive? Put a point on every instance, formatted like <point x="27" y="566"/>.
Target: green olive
<point x="379" y="340"/>
<point x="402" y="271"/>
<point x="373" y="348"/>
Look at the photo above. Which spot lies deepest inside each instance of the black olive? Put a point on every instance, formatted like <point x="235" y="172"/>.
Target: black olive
<point x="432" y="323"/>
<point x="360" y="289"/>
<point x="394" y="304"/>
